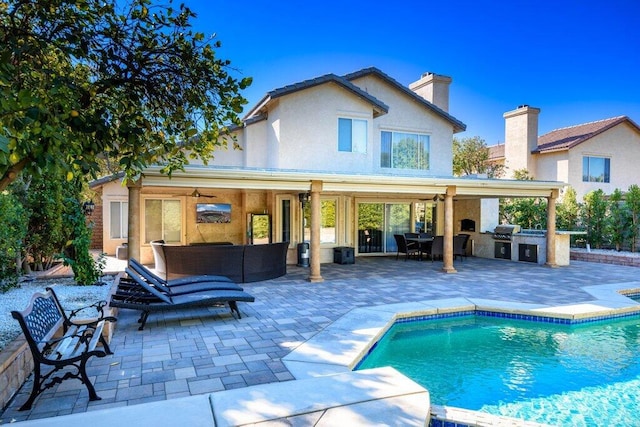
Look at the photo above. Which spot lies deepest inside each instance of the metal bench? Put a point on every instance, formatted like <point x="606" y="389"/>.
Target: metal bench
<point x="43" y="318"/>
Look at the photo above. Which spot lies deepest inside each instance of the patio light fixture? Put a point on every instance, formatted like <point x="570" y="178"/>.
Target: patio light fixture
<point x="88" y="207"/>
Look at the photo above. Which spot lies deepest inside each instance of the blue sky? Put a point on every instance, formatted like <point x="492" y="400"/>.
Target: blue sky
<point x="578" y="61"/>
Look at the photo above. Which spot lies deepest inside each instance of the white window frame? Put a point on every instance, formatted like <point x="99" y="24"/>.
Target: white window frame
<point x="358" y="141"/>
<point x="394" y="132"/>
<point x="124" y="220"/>
<point x="607" y="176"/>
<point x="143" y="217"/>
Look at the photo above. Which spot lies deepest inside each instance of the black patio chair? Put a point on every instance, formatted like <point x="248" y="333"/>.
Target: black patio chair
<point x="460" y="246"/>
<point x="407" y="249"/>
<point x="437" y="248"/>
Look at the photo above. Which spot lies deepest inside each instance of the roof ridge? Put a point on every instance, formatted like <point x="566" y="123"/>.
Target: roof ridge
<point x="587" y="123"/>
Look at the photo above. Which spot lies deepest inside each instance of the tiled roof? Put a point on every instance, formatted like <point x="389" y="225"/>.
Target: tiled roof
<point x="379" y="107"/>
<point x="496" y="152"/>
<point x="458" y="125"/>
<point x="106" y="179"/>
<point x="345" y="81"/>
<point x="569" y="137"/>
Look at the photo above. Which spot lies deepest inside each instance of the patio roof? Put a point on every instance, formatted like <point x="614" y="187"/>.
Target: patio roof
<point x="297" y="180"/>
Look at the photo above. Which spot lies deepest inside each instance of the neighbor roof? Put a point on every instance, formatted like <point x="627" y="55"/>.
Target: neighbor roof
<point x="569" y="137"/>
<point x="496" y="152"/>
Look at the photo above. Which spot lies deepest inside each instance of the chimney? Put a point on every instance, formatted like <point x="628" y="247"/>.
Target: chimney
<point x="434" y="88"/>
<point x="520" y="139"/>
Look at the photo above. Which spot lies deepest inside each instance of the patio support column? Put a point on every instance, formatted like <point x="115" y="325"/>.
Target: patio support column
<point x="316" y="216"/>
<point x="447" y="257"/>
<point x="134" y="220"/>
<point x="551" y="229"/>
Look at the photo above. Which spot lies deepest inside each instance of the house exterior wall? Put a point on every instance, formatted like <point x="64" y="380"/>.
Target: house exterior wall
<point x="406" y="115"/>
<point x="552" y="166"/>
<point x="301" y="131"/>
<point x="96" y="221"/>
<point x="622" y="145"/>
<point x="308" y="130"/>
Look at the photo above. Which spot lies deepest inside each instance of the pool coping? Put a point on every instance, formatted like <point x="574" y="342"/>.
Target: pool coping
<point x="344" y="343"/>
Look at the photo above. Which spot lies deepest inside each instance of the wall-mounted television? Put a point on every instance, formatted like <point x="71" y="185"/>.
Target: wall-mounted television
<point x="213" y="213"/>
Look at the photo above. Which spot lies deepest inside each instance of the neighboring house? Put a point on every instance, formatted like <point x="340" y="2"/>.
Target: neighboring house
<point x="604" y="154"/>
<point x="372" y="157"/>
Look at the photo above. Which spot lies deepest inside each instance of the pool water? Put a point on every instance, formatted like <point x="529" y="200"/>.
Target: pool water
<point x="583" y="374"/>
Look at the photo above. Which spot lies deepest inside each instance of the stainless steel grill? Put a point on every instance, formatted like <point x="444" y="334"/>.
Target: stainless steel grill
<point x="505" y="231"/>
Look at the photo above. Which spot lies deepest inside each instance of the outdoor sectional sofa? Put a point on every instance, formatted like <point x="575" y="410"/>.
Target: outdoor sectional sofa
<point x="240" y="263"/>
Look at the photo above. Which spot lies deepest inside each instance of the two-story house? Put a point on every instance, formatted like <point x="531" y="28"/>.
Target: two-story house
<point x="597" y="155"/>
<point x="335" y="161"/>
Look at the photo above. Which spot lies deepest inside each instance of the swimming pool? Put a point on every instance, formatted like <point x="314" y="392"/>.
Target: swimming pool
<point x="560" y="374"/>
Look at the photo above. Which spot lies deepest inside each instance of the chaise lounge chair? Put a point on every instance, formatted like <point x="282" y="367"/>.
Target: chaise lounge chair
<point x="136" y="294"/>
<point x="182" y="285"/>
<point x="186" y="288"/>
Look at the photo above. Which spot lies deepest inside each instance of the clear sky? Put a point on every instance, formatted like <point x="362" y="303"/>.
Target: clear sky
<point x="576" y="60"/>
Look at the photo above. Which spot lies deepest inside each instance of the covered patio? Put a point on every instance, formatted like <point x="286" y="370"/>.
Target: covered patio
<point x="264" y="191"/>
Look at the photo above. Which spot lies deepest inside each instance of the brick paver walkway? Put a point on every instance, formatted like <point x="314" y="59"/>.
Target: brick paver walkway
<point x="203" y="350"/>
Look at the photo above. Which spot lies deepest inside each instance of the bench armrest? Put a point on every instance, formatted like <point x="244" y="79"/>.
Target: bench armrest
<point x="99" y="307"/>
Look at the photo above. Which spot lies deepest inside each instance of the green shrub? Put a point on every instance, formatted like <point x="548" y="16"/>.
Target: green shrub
<point x="12" y="234"/>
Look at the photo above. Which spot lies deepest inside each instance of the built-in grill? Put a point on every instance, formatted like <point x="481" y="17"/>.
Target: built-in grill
<point x="505" y="232"/>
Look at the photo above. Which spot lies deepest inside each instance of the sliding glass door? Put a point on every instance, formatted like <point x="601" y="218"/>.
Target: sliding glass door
<point x="378" y="222"/>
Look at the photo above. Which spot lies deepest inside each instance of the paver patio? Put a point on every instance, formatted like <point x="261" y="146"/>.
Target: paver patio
<point x="203" y="350"/>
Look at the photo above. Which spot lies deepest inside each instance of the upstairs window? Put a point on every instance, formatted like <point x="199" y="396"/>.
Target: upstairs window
<point x="595" y="169"/>
<point x="400" y="150"/>
<point x="352" y="135"/>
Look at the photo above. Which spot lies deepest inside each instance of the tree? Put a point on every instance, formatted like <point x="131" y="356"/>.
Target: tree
<point x="522" y="175"/>
<point x="81" y="80"/>
<point x="632" y="202"/>
<point x="568" y="211"/>
<point x="594" y="213"/>
<point x="12" y="234"/>
<point x="471" y="156"/>
<point x="618" y="220"/>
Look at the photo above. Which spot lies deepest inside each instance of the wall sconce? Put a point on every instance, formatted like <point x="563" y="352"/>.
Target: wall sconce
<point x="304" y="198"/>
<point x="88" y="207"/>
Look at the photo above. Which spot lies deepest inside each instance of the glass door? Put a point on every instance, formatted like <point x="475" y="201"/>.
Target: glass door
<point x="378" y="222"/>
<point x="370" y="227"/>
<point x="398" y="219"/>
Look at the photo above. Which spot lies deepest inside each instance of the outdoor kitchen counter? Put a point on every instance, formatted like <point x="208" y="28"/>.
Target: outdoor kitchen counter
<point x="483" y="245"/>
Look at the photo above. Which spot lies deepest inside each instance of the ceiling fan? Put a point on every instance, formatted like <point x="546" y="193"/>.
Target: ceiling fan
<point x="197" y="194"/>
<point x="435" y="198"/>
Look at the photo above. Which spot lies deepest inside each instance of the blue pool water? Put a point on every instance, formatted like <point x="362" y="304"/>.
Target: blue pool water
<point x="587" y="374"/>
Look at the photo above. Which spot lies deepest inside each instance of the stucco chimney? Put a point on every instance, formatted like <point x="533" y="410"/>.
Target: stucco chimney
<point x="434" y="88"/>
<point x="520" y="139"/>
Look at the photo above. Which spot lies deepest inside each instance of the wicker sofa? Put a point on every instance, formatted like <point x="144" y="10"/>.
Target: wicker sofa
<point x="240" y="263"/>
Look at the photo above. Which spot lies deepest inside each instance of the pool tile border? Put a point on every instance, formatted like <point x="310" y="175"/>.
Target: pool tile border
<point x="342" y="345"/>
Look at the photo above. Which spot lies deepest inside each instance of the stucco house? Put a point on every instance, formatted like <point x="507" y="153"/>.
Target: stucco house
<point x="602" y="155"/>
<point x="335" y="161"/>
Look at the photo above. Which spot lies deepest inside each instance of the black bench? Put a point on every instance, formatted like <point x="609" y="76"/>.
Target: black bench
<point x="40" y="321"/>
